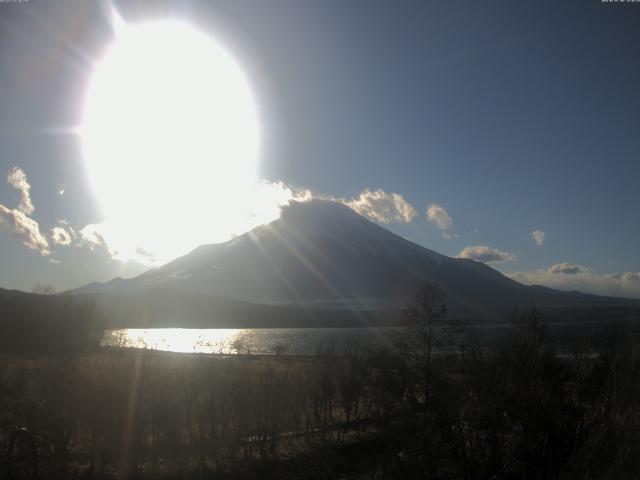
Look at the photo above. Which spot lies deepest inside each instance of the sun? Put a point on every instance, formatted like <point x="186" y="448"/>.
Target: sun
<point x="170" y="137"/>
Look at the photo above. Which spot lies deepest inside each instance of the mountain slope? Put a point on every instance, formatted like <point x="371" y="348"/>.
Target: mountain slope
<point x="324" y="255"/>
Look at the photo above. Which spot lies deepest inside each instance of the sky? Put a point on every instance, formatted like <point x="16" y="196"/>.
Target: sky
<point x="506" y="132"/>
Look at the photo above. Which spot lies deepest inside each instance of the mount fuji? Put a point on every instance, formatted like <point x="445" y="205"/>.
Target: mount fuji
<point x="322" y="256"/>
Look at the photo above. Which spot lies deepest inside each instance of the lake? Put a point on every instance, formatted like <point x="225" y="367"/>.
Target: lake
<point x="309" y="341"/>
<point x="254" y="341"/>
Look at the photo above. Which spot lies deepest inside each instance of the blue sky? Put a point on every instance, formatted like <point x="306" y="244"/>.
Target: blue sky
<point x="511" y="116"/>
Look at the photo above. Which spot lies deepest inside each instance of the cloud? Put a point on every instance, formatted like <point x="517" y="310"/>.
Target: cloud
<point x="437" y="215"/>
<point x="381" y="206"/>
<point x="143" y="252"/>
<point x="566" y="276"/>
<point x="484" y="254"/>
<point x="538" y="236"/>
<point x="91" y="236"/>
<point x="565" y="268"/>
<point x="625" y="277"/>
<point x="18" y="180"/>
<point x="17" y="221"/>
<point x="60" y="236"/>
<point x="25" y="228"/>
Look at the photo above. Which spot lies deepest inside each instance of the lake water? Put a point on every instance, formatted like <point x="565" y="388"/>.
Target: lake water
<point x="254" y="341"/>
<point x="309" y="341"/>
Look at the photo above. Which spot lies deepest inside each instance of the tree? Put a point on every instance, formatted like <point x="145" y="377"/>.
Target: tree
<point x="426" y="312"/>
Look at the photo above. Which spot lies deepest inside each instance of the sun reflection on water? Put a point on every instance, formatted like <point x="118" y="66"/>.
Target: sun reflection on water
<point x="252" y="341"/>
<point x="181" y="340"/>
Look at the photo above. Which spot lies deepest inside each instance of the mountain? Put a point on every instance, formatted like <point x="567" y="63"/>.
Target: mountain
<point x="323" y="256"/>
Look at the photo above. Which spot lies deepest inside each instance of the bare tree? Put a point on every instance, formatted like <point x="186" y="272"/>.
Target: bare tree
<point x="423" y="316"/>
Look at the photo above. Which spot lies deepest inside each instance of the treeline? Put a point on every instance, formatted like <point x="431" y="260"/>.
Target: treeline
<point x="515" y="408"/>
<point x="47" y="322"/>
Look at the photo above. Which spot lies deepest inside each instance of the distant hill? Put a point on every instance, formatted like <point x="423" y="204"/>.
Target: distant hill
<point x="324" y="258"/>
<point x="30" y="322"/>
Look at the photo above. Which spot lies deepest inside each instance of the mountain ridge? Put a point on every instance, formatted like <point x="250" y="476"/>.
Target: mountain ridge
<point x="322" y="254"/>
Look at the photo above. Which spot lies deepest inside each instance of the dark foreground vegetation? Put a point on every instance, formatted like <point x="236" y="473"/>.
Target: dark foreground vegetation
<point x="514" y="408"/>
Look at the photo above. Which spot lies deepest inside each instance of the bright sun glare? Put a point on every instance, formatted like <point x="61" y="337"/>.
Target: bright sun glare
<point x="170" y="137"/>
